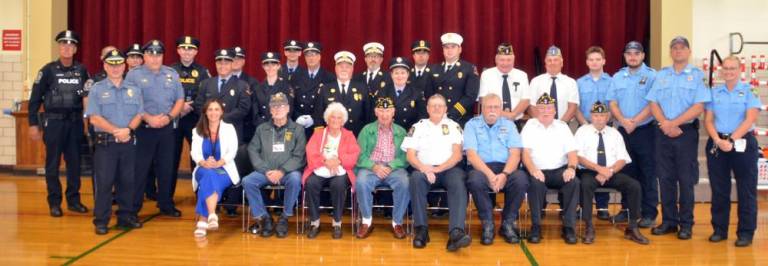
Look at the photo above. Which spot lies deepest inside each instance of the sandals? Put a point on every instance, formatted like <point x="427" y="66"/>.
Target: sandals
<point x="200" y="231"/>
<point x="213" y="221"/>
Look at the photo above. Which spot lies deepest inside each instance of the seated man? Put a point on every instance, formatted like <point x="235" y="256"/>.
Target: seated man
<point x="549" y="155"/>
<point x="381" y="163"/>
<point x="602" y="155"/>
<point x="493" y="147"/>
<point x="433" y="147"/>
<point x="277" y="155"/>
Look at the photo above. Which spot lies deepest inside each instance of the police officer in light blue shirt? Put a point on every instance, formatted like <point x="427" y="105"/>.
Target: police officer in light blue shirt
<point x="633" y="117"/>
<point x="729" y="121"/>
<point x="163" y="101"/>
<point x="493" y="148"/>
<point x="677" y="99"/>
<point x="593" y="87"/>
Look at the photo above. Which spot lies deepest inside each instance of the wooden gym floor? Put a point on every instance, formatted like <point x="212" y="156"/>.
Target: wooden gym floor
<point x="29" y="236"/>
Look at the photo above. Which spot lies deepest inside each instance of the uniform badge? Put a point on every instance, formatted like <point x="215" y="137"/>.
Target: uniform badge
<point x="690" y="78"/>
<point x="333" y="90"/>
<point x="460" y="75"/>
<point x="383" y="84"/>
<point x="288" y="136"/>
<point x="380" y="74"/>
<point x="232" y="92"/>
<point x="144" y="81"/>
<point x="195" y="73"/>
<point x="435" y="75"/>
<point x="129" y="92"/>
<point x="445" y="130"/>
<point x="331" y="99"/>
<point x="357" y="97"/>
<point x="354" y="89"/>
<point x="105" y="95"/>
<point x="413" y="104"/>
<point x="741" y="94"/>
<point x="643" y="80"/>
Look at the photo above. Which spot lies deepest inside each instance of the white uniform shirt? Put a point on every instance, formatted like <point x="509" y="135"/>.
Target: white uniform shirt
<point x="549" y="146"/>
<point x="433" y="143"/>
<point x="587" y="140"/>
<point x="567" y="90"/>
<point x="491" y="81"/>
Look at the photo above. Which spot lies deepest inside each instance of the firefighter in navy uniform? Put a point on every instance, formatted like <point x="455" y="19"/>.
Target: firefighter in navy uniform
<point x="59" y="89"/>
<point x="410" y="106"/>
<point x="455" y="79"/>
<point x="190" y="75"/>
<point x="234" y="93"/>
<point x="271" y="85"/>
<point x="420" y="72"/>
<point x="115" y="112"/>
<point x="373" y="77"/>
<point x="292" y="50"/>
<point x="353" y="95"/>
<point x="237" y="71"/>
<point x="305" y="86"/>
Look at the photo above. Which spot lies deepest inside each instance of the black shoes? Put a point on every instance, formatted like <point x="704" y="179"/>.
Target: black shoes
<point x="603" y="215"/>
<point x="420" y="237"/>
<point x="535" y="236"/>
<point x="172" y="212"/>
<point x="101" y="230"/>
<point x="743" y="242"/>
<point x="488" y="234"/>
<point x="684" y="233"/>
<point x="457" y="239"/>
<point x="266" y="226"/>
<point x="664" y="229"/>
<point x="569" y="235"/>
<point x="77" y="207"/>
<point x="282" y="227"/>
<point x="714" y="238"/>
<point x="336" y="232"/>
<point x="589" y="235"/>
<point x="130" y="224"/>
<point x="313" y="231"/>
<point x="56" y="211"/>
<point x="509" y="233"/>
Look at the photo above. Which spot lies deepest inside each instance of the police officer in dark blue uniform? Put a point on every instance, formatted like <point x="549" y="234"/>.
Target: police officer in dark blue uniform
<point x="305" y="86"/>
<point x="420" y="72"/>
<point x="352" y="94"/>
<point x="729" y="121"/>
<point x="115" y="112"/>
<point x="235" y="95"/>
<point x="272" y="84"/>
<point x="190" y="75"/>
<point x="237" y="71"/>
<point x="292" y="50"/>
<point x="410" y="105"/>
<point x="163" y="98"/>
<point x="59" y="89"/>
<point x="677" y="99"/>
<point x="455" y="79"/>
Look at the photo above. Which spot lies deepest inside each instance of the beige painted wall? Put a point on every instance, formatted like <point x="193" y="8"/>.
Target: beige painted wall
<point x="713" y="20"/>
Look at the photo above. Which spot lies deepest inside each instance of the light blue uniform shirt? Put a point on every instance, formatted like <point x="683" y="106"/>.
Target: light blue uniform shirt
<point x="730" y="107"/>
<point x="677" y="92"/>
<point x="161" y="90"/>
<point x="492" y="144"/>
<point x="116" y="105"/>
<point x="591" y="91"/>
<point x="628" y="90"/>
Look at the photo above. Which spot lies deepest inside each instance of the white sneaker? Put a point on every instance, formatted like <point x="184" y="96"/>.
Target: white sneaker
<point x="213" y="221"/>
<point x="200" y="231"/>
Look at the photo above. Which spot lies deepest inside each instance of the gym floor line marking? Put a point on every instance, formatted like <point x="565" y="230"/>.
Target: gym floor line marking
<point x="105" y="242"/>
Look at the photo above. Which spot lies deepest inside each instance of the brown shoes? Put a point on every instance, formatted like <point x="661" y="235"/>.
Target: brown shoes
<point x="589" y="235"/>
<point x="398" y="231"/>
<point x="364" y="231"/>
<point x="634" y="235"/>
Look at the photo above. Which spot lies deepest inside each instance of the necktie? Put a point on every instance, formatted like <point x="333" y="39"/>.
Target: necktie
<point x="448" y="68"/>
<point x="344" y="89"/>
<point x="553" y="94"/>
<point x="290" y="70"/>
<point x="398" y="93"/>
<point x="506" y="94"/>
<point x="418" y="73"/>
<point x="312" y="76"/>
<point x="600" y="150"/>
<point x="221" y="84"/>
<point x="370" y="77"/>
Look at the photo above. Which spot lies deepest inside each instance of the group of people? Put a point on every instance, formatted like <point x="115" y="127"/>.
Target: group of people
<point x="310" y="131"/>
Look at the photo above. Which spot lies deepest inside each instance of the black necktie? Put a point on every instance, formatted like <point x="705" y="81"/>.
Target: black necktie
<point x="344" y="89"/>
<point x="370" y="78"/>
<point x="290" y="70"/>
<point x="600" y="150"/>
<point x="505" y="93"/>
<point x="223" y="81"/>
<point x="553" y="94"/>
<point x="449" y="68"/>
<point x="418" y="73"/>
<point x="312" y="76"/>
<point x="398" y="92"/>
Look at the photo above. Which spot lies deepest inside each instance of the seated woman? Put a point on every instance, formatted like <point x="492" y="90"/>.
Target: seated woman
<point x="331" y="154"/>
<point x="214" y="145"/>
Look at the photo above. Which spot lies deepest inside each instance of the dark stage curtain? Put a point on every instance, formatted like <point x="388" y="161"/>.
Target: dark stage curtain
<point x="261" y="25"/>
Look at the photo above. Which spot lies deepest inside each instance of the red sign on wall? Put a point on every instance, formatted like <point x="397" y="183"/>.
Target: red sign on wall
<point x="11" y="40"/>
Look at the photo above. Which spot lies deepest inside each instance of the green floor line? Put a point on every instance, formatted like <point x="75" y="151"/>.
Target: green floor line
<point x="528" y="253"/>
<point x="105" y="242"/>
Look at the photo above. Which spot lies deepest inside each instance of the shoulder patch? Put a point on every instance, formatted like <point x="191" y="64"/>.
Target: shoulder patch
<point x="39" y="76"/>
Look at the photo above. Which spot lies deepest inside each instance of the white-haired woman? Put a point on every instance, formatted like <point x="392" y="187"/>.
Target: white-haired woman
<point x="331" y="154"/>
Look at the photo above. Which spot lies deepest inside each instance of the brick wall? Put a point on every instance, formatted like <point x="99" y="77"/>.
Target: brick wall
<point x="11" y="88"/>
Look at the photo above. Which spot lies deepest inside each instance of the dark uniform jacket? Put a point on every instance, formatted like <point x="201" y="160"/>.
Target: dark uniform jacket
<point x="356" y="100"/>
<point x="305" y="91"/>
<point x="410" y="106"/>
<point x="459" y="86"/>
<point x="60" y="89"/>
<point x="260" y="98"/>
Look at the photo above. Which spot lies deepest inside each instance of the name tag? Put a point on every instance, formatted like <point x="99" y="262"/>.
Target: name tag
<point x="279" y="147"/>
<point x="740" y="145"/>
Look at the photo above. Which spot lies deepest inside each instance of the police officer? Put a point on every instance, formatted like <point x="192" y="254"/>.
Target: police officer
<point x="237" y="71"/>
<point x="593" y="87"/>
<point x="163" y="97"/>
<point x="135" y="56"/>
<point x="420" y="72"/>
<point x="731" y="147"/>
<point x="306" y="85"/>
<point x="292" y="50"/>
<point x="493" y="148"/>
<point x="602" y="155"/>
<point x="635" y="123"/>
<point x="271" y="85"/>
<point x="234" y="93"/>
<point x="410" y="106"/>
<point x="508" y="82"/>
<point x="559" y="86"/>
<point x="433" y="147"/>
<point x="455" y="79"/>
<point x="373" y="77"/>
<point x="59" y="89"/>
<point x="115" y="112"/>
<point x="190" y="75"/>
<point x="102" y="74"/>
<point x="677" y="99"/>
<point x="352" y="94"/>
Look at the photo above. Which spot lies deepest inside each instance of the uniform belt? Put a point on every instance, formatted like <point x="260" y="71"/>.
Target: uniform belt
<point x="103" y="138"/>
<point x="723" y="135"/>
<point x="63" y="116"/>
